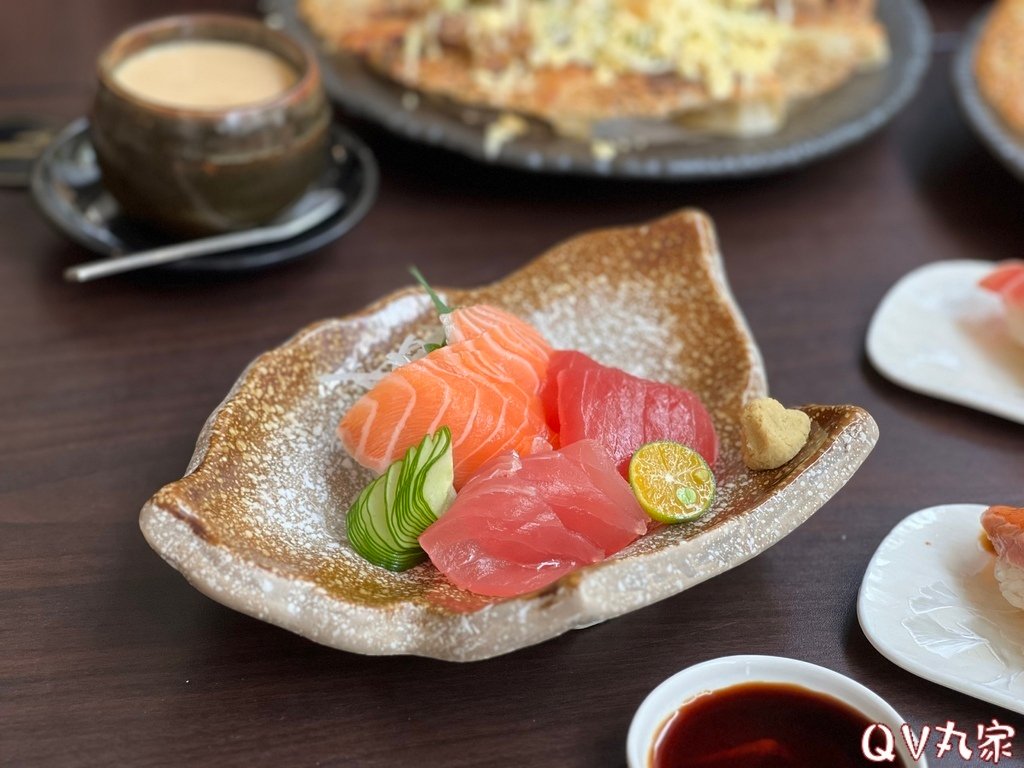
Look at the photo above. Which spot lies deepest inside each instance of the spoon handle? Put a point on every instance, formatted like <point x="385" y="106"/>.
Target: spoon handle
<point x="91" y="270"/>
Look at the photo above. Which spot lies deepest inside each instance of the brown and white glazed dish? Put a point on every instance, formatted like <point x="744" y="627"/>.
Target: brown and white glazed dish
<point x="257" y="523"/>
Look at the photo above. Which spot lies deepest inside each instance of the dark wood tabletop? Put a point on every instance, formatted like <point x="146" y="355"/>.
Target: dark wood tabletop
<point x="109" y="657"/>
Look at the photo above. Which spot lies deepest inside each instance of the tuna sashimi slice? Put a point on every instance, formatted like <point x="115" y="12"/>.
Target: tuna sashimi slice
<point x="583" y="399"/>
<point x="521" y="523"/>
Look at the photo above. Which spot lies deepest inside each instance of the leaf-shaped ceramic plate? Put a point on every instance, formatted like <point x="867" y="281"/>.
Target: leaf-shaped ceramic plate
<point x="930" y="603"/>
<point x="258" y="521"/>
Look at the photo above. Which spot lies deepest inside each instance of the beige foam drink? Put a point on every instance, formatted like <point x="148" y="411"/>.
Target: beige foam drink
<point x="205" y="74"/>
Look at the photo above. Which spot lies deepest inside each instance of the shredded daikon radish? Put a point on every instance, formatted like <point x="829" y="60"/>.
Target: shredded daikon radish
<point x="410" y="349"/>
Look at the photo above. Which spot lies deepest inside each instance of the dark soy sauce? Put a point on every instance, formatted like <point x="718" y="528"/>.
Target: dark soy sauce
<point x="764" y="725"/>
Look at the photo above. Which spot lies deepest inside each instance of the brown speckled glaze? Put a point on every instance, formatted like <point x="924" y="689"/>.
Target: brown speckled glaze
<point x="257" y="523"/>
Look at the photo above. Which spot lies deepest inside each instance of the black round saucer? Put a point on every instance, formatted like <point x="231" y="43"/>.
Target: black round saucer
<point x="68" y="188"/>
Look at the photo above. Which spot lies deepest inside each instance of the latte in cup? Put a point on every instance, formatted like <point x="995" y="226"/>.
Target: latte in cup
<point x="205" y="74"/>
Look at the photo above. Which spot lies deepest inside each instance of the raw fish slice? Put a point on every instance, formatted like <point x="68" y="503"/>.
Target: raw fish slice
<point x="577" y="482"/>
<point x="516" y="338"/>
<point x="484" y="574"/>
<point x="468" y="322"/>
<point x="621" y="411"/>
<point x="558" y="362"/>
<point x="596" y="462"/>
<point x="410" y="403"/>
<point x="534" y="531"/>
<point x="486" y="397"/>
<point x="1006" y="275"/>
<point x="522" y="522"/>
<point x="503" y="465"/>
<point x="528" y="534"/>
<point x="609" y="409"/>
<point x="523" y="553"/>
<point x="515" y="403"/>
<point x="1005" y="528"/>
<point x="488" y="360"/>
<point x="1007" y="280"/>
<point x="522" y="431"/>
<point x="1013" y="293"/>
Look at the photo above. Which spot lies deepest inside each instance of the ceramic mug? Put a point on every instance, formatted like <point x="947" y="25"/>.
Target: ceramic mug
<point x="201" y="171"/>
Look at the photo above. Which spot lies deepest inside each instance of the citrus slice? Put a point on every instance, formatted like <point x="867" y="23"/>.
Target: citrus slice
<point x="672" y="482"/>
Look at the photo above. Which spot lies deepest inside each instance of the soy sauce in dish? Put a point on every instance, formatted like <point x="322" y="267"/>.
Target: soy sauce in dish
<point x="763" y="725"/>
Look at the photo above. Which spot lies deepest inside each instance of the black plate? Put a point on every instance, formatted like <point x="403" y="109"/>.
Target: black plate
<point x="68" y="189"/>
<point x="813" y="130"/>
<point x="1006" y="145"/>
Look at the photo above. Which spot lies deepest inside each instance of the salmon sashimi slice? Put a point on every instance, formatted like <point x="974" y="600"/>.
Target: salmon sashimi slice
<point x="484" y="388"/>
<point x="516" y="337"/>
<point x="523" y="522"/>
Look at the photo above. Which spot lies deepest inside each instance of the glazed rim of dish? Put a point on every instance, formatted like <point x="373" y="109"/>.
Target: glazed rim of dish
<point x="986" y="121"/>
<point x="252" y="522"/>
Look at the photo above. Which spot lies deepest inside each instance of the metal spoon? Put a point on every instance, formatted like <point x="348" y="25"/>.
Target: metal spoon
<point x="316" y="208"/>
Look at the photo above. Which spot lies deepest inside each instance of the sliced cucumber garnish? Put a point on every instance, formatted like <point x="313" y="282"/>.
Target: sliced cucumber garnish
<point x="386" y="520"/>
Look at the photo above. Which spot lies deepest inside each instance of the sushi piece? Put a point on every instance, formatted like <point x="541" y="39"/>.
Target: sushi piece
<point x="586" y="400"/>
<point x="1004" y="527"/>
<point x="1007" y="280"/>
<point x="483" y="387"/>
<point x="524" y="521"/>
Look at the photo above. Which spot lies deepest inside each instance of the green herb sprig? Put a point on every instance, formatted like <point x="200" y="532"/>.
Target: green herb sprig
<point x="439" y="304"/>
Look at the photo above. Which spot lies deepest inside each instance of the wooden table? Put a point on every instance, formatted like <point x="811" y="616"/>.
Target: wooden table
<point x="108" y="657"/>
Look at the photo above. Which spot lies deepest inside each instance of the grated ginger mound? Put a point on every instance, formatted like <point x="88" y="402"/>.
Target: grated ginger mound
<point x="772" y="434"/>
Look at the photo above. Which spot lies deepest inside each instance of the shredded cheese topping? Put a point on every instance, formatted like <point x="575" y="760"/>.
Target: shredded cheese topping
<point x="716" y="43"/>
<point x="500" y="132"/>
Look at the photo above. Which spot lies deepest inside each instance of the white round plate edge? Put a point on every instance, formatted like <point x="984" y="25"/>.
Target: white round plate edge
<point x="880" y="362"/>
<point x="873" y="632"/>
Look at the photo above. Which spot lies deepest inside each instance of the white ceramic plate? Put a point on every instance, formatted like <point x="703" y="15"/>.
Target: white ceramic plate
<point x="936" y="332"/>
<point x="930" y="604"/>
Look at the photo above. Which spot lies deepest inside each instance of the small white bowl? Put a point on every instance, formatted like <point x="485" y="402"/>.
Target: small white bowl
<point x="713" y="675"/>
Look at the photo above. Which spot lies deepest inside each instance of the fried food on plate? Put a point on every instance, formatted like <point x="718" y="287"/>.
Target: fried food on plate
<point x="999" y="62"/>
<point x="716" y="66"/>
